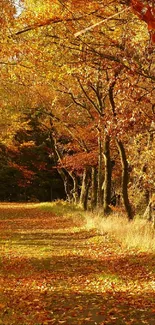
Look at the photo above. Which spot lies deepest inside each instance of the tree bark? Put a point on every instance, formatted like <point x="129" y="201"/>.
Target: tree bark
<point x="149" y="213"/>
<point x="75" y="190"/>
<point x="100" y="171"/>
<point x="67" y="185"/>
<point x="63" y="173"/>
<point x="125" y="179"/>
<point x="93" y="188"/>
<point x="107" y="176"/>
<point x="85" y="188"/>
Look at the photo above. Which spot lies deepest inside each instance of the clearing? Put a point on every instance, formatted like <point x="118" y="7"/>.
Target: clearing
<point x="53" y="270"/>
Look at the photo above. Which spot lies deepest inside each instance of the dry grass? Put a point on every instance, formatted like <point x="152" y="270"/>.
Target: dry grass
<point x="137" y="234"/>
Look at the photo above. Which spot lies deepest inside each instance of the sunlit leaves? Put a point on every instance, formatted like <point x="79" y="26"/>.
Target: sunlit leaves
<point x="38" y="12"/>
<point x="146" y="12"/>
<point x="69" y="79"/>
<point x="56" y="271"/>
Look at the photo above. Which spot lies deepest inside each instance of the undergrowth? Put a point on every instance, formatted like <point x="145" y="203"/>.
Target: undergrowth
<point x="137" y="234"/>
<point x="61" y="208"/>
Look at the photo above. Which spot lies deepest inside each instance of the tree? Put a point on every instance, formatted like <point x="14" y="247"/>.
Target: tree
<point x="86" y="69"/>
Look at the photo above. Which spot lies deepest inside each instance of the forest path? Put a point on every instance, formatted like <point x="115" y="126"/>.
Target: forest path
<point x="55" y="271"/>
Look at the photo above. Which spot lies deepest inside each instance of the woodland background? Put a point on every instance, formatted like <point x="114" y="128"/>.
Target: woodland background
<point x="77" y="106"/>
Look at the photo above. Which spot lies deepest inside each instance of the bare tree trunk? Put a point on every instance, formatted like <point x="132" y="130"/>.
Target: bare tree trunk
<point x="63" y="173"/>
<point x="93" y="188"/>
<point x="107" y="176"/>
<point x="149" y="213"/>
<point x="85" y="188"/>
<point x="66" y="182"/>
<point x="125" y="179"/>
<point x="75" y="190"/>
<point x="100" y="171"/>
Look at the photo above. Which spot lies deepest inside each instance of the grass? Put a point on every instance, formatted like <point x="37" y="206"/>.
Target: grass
<point x="60" y="207"/>
<point x="137" y="234"/>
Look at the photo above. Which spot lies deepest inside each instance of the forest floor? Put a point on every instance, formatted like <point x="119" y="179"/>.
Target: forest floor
<point x="53" y="270"/>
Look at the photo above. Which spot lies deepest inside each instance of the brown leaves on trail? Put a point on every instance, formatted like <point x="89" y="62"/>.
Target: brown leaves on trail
<point x="12" y="218"/>
<point x="57" y="272"/>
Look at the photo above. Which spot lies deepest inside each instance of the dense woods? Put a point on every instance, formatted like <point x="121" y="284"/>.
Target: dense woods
<point x="77" y="102"/>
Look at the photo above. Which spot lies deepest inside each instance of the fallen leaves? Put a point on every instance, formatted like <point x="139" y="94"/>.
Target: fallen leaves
<point x="55" y="272"/>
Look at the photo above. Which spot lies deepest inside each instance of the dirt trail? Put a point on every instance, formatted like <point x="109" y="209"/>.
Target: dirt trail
<point x="54" y="271"/>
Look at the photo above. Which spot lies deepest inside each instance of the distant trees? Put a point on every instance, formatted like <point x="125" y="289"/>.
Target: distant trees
<point x="26" y="172"/>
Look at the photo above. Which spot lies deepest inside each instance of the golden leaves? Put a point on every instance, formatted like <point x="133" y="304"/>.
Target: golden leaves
<point x="147" y="13"/>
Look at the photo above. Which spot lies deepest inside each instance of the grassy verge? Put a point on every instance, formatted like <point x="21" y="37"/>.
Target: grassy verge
<point x="137" y="234"/>
<point x="61" y="208"/>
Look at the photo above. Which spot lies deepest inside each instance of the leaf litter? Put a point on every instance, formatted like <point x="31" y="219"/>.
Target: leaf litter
<point x="54" y="271"/>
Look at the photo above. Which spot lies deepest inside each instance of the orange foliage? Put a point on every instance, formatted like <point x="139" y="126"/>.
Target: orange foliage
<point x="146" y="13"/>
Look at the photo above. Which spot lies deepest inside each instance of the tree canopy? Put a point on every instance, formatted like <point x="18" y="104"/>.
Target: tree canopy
<point x="77" y="98"/>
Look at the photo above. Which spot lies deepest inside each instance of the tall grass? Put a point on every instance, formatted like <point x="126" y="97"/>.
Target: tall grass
<point x="138" y="233"/>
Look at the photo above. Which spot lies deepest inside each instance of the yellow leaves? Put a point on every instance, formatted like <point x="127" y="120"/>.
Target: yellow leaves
<point x="42" y="9"/>
<point x="49" y="321"/>
<point x="87" y="319"/>
<point x="28" y="144"/>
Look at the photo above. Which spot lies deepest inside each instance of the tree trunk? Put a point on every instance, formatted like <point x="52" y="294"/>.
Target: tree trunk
<point x="107" y="176"/>
<point x="62" y="172"/>
<point x="125" y="179"/>
<point x="100" y="173"/>
<point x="85" y="188"/>
<point x="93" y="187"/>
<point x="75" y="190"/>
<point x="66" y="182"/>
<point x="149" y="213"/>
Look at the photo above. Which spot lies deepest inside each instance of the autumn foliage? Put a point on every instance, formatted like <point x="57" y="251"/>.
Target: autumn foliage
<point x="77" y="109"/>
<point x="145" y="12"/>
